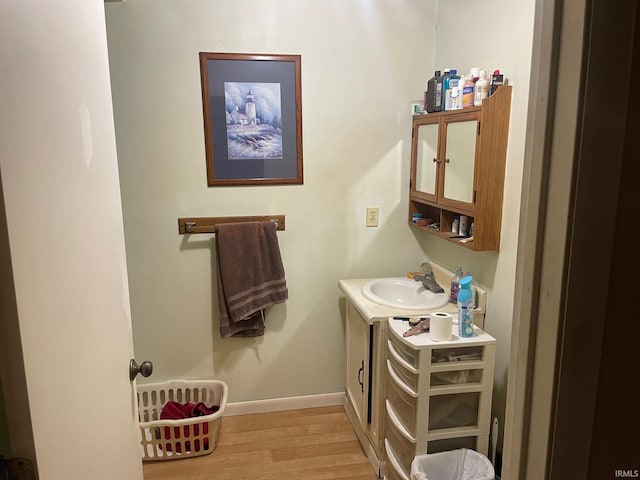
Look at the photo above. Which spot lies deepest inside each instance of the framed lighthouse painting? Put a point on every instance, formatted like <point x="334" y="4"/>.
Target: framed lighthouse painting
<point x="252" y="118"/>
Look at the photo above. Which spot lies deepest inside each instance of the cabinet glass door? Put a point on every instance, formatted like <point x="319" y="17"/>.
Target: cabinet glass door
<point x="460" y="160"/>
<point x="426" y="159"/>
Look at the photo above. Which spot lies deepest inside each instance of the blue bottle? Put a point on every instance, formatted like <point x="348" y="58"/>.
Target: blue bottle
<point x="450" y="91"/>
<point x="465" y="302"/>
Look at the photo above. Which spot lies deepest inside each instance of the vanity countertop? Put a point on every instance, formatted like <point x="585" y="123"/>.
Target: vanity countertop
<point x="372" y="312"/>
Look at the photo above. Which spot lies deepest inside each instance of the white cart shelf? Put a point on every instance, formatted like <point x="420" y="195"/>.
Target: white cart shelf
<point x="438" y="395"/>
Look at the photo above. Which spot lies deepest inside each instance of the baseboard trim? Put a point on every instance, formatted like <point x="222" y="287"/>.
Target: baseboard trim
<point x="287" y="403"/>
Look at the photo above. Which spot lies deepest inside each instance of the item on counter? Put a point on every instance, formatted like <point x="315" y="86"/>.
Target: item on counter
<point x="465" y="305"/>
<point x="456" y="224"/>
<point x="455" y="285"/>
<point x="415" y="320"/>
<point x="440" y="326"/>
<point x="420" y="327"/>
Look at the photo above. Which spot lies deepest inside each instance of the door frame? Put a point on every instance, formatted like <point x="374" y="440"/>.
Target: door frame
<point x="567" y="189"/>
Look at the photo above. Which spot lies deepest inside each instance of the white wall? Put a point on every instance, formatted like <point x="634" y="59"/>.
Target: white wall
<point x="362" y="64"/>
<point x="496" y="34"/>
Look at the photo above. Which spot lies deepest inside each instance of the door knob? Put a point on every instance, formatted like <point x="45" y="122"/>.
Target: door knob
<point x="145" y="369"/>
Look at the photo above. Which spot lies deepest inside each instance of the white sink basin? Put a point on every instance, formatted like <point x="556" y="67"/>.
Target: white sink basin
<point x="403" y="293"/>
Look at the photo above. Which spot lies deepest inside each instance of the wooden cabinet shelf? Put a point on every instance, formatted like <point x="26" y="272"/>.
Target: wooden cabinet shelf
<point x="457" y="168"/>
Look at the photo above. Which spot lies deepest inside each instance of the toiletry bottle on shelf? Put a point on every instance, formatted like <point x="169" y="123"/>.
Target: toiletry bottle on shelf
<point x="463" y="226"/>
<point x="497" y="79"/>
<point x="455" y="286"/>
<point x="482" y="89"/>
<point x="475" y="74"/>
<point x="465" y="304"/>
<point x="433" y="95"/>
<point x="426" y="96"/>
<point x="468" y="88"/>
<point x="455" y="225"/>
<point x="440" y="88"/>
<point x="450" y="89"/>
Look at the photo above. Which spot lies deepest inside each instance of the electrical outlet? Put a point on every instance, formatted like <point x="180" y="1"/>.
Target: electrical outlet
<point x="373" y="214"/>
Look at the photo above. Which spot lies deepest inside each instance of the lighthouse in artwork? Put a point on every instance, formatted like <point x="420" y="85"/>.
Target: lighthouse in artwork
<point x="250" y="109"/>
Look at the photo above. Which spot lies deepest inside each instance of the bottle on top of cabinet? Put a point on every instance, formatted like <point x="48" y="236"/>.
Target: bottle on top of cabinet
<point x="440" y="82"/>
<point x="434" y="93"/>
<point x="482" y="89"/>
<point x="468" y="88"/>
<point x="497" y="79"/>
<point x="450" y="85"/>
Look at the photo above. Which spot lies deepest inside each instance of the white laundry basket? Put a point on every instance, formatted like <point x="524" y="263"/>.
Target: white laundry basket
<point x="189" y="437"/>
<point x="460" y="464"/>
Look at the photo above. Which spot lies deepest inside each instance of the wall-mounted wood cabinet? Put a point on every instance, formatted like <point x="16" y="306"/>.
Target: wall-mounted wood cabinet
<point x="457" y="168"/>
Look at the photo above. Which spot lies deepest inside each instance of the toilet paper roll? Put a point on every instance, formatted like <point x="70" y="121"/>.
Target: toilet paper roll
<point x="440" y="326"/>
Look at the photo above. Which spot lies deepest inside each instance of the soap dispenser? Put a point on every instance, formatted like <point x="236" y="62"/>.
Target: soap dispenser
<point x="465" y="304"/>
<point x="455" y="286"/>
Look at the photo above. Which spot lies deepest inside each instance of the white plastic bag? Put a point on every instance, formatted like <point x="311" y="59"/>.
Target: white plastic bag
<point x="461" y="464"/>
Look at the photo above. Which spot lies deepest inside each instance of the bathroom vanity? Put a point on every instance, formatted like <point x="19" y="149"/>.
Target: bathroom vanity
<point x="376" y="375"/>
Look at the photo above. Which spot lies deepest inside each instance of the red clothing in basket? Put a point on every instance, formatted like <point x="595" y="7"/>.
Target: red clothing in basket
<point x="179" y="411"/>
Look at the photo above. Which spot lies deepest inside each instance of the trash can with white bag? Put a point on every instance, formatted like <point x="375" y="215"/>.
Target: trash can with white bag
<point x="460" y="464"/>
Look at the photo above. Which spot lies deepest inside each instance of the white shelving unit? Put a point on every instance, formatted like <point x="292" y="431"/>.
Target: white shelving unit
<point x="438" y="395"/>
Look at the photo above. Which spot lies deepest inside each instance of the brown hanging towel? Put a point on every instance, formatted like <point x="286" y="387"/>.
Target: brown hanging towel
<point x="250" y="276"/>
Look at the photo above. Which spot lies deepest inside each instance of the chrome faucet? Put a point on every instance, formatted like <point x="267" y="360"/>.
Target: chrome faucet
<point x="429" y="282"/>
<point x="428" y="279"/>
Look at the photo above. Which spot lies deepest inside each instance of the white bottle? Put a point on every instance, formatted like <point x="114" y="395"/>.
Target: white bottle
<point x="482" y="89"/>
<point x="462" y="228"/>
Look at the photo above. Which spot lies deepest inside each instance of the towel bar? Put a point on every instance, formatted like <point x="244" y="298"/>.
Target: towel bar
<point x="208" y="224"/>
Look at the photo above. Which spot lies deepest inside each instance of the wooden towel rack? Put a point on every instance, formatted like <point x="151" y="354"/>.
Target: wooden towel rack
<point x="208" y="224"/>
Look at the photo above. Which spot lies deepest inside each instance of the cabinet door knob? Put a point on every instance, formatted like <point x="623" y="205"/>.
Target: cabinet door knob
<point x="435" y="160"/>
<point x="446" y="160"/>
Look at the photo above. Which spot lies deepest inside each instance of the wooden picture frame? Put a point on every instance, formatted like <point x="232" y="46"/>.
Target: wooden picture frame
<point x="252" y="110"/>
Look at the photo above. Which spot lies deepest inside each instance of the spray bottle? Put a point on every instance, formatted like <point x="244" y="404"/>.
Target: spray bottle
<point x="465" y="304"/>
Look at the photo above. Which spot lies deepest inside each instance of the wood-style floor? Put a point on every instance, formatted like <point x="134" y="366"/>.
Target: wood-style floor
<point x="308" y="444"/>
